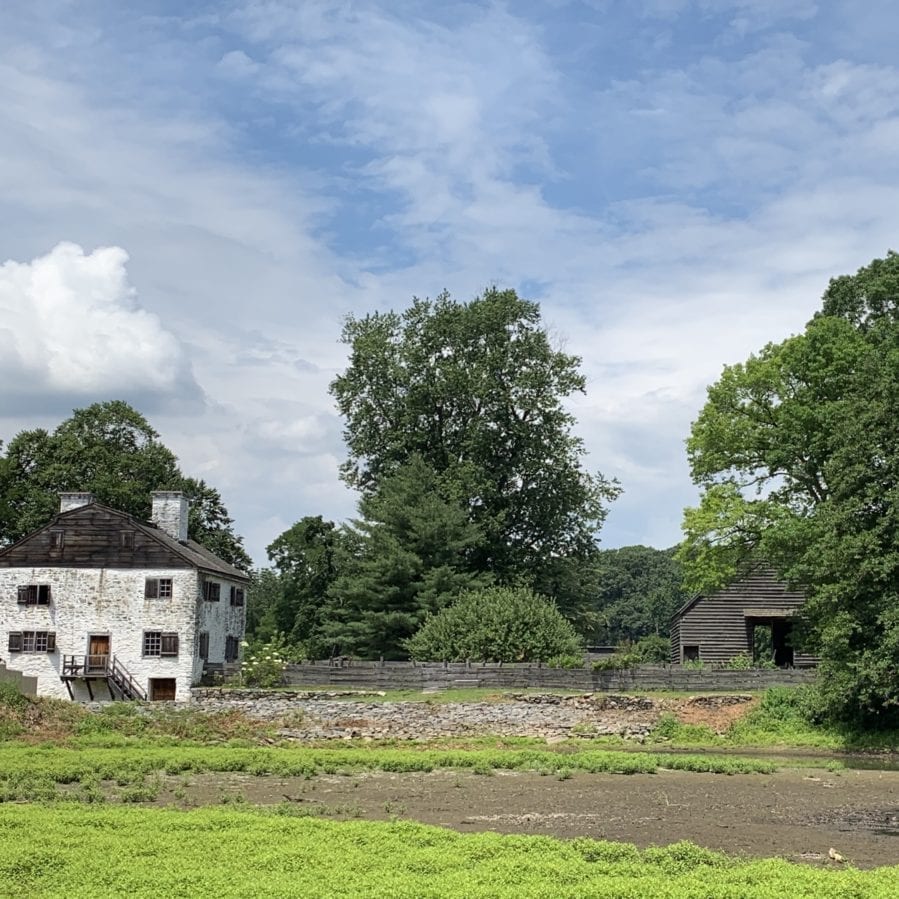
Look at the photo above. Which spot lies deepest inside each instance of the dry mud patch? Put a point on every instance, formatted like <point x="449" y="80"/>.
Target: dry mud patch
<point x="799" y="814"/>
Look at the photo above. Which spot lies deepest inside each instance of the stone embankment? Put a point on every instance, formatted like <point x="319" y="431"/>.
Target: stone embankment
<point x="322" y="715"/>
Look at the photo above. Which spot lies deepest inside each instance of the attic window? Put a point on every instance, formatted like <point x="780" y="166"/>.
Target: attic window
<point x="127" y="539"/>
<point x="34" y="595"/>
<point x="158" y="588"/>
<point x="56" y="540"/>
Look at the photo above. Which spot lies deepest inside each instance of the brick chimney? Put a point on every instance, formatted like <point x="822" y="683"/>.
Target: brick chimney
<point x="69" y="501"/>
<point x="170" y="513"/>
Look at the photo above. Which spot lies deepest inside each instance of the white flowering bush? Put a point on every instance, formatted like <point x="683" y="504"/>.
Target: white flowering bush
<point x="263" y="664"/>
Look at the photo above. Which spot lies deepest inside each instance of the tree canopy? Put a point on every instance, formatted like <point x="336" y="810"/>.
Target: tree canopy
<point x="797" y="455"/>
<point x="412" y="556"/>
<point x="639" y="589"/>
<point x="476" y="390"/>
<point x="110" y="450"/>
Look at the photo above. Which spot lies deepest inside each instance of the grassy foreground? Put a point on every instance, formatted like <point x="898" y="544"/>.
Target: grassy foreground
<point x="69" y="851"/>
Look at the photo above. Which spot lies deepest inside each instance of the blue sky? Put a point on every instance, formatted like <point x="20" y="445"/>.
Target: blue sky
<point x="193" y="195"/>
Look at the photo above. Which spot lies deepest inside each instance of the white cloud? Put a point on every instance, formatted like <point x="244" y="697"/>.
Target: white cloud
<point x="70" y="325"/>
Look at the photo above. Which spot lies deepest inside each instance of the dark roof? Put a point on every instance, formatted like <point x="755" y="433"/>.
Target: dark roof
<point x="195" y="554"/>
<point x="755" y="580"/>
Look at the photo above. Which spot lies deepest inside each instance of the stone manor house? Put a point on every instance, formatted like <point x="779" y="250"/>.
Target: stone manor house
<point x="99" y="605"/>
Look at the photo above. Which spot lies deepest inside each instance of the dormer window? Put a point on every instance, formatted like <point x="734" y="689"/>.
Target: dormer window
<point x="126" y="539"/>
<point x="56" y="540"/>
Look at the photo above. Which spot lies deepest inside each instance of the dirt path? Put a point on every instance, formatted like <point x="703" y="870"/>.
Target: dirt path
<point x="799" y="814"/>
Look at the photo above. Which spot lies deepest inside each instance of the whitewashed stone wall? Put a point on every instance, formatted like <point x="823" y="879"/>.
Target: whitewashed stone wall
<point x="221" y="620"/>
<point x="105" y="601"/>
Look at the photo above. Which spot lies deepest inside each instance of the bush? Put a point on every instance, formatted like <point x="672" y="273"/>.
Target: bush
<point x="574" y="661"/>
<point x="263" y="665"/>
<point x="499" y="624"/>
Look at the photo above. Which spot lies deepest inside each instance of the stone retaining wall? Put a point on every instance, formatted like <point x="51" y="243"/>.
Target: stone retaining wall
<point x="424" y="676"/>
<point x="304" y="715"/>
<point x="23" y="683"/>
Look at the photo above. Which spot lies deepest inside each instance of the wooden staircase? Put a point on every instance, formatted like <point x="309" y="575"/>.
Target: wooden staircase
<point x="93" y="669"/>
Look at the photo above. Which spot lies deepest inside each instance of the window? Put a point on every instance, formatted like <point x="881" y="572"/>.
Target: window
<point x="56" y="539"/>
<point x="204" y="645"/>
<point x="232" y="649"/>
<point x="212" y="591"/>
<point x="126" y="539"/>
<point x="158" y="588"/>
<point x="157" y="643"/>
<point x="691" y="653"/>
<point x="34" y="595"/>
<point x="32" y="641"/>
<point x="236" y="596"/>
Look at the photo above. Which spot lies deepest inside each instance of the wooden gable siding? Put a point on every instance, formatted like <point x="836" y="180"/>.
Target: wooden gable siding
<point x="718" y="624"/>
<point x="91" y="539"/>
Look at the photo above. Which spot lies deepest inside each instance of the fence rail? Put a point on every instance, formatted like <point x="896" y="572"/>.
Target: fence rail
<point x="420" y="676"/>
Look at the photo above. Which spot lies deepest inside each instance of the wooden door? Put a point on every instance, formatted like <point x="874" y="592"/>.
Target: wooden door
<point x="98" y="652"/>
<point x="162" y="689"/>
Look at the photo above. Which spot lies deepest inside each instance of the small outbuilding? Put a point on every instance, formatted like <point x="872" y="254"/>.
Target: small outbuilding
<point x="757" y="609"/>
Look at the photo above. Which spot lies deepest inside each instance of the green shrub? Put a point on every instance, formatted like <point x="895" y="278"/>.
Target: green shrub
<point x="499" y="624"/>
<point x="263" y="665"/>
<point x="563" y="661"/>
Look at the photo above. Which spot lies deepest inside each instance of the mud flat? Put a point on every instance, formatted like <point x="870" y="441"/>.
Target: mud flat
<point x="798" y="814"/>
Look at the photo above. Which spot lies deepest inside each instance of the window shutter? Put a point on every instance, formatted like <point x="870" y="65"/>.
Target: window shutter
<point x="15" y="641"/>
<point x="23" y="596"/>
<point x="151" y="589"/>
<point x="204" y="645"/>
<point x="51" y="642"/>
<point x="233" y="595"/>
<point x="43" y="595"/>
<point x="169" y="645"/>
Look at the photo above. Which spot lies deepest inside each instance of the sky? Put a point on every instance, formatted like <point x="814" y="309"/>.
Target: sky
<point x="194" y="195"/>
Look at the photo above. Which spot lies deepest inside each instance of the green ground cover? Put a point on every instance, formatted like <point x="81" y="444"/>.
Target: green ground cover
<point x="786" y="717"/>
<point x="30" y="773"/>
<point x="67" y="851"/>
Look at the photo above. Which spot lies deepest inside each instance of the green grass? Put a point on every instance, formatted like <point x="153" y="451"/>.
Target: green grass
<point x="29" y="773"/>
<point x="782" y="719"/>
<point x="69" y="851"/>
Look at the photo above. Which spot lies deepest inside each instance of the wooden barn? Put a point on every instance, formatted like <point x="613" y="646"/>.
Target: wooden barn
<point x="754" y="611"/>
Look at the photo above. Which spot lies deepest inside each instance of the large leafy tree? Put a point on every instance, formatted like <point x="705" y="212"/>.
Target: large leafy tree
<point x="308" y="557"/>
<point x="413" y="556"/>
<point x="797" y="454"/>
<point x="639" y="589"/>
<point x="111" y="450"/>
<point x="477" y="391"/>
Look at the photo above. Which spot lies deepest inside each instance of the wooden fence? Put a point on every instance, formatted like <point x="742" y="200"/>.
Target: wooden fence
<point x="439" y="675"/>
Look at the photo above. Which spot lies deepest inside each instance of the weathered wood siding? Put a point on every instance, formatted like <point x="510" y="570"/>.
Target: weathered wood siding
<point x="439" y="675"/>
<point x="91" y="538"/>
<point x="718" y="624"/>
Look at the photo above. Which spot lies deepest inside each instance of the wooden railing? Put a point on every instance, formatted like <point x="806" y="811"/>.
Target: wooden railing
<point x="103" y="666"/>
<point x="125" y="682"/>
